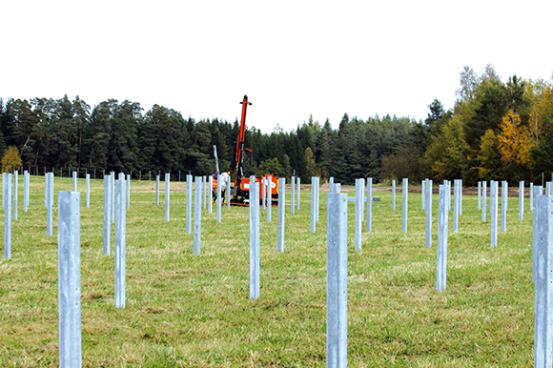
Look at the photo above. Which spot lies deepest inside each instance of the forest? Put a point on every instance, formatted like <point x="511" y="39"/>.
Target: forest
<point x="495" y="130"/>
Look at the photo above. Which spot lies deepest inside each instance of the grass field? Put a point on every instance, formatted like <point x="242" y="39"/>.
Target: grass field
<point x="186" y="311"/>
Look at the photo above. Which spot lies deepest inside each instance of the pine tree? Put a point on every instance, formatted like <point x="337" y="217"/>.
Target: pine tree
<point x="98" y="135"/>
<point x="286" y="167"/>
<point x="124" y="137"/>
<point x="323" y="152"/>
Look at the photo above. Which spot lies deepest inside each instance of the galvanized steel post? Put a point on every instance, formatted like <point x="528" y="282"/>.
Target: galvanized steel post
<point x="281" y="212"/>
<point x="198" y="216"/>
<point x="120" y="242"/>
<point x="337" y="281"/>
<point x="69" y="280"/>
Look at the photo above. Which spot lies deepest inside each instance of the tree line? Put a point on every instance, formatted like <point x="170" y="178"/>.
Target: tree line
<point x="496" y="130"/>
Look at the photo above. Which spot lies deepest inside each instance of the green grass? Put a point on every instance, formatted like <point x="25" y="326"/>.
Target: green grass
<point x="186" y="311"/>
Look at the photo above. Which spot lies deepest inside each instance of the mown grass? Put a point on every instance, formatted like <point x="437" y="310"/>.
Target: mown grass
<point x="186" y="311"/>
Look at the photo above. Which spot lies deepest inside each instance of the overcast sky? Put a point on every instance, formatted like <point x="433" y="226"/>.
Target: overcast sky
<point x="292" y="58"/>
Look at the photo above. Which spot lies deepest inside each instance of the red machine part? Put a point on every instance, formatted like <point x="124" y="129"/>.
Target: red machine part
<point x="239" y="149"/>
<point x="245" y="184"/>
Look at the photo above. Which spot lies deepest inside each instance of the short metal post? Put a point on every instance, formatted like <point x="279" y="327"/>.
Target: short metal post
<point x="50" y="207"/>
<point x="313" y="221"/>
<point x="369" y="219"/>
<point x="120" y="242"/>
<point x="441" y="271"/>
<point x="293" y="195"/>
<point x="87" y="190"/>
<point x="269" y="195"/>
<point x="7" y="196"/>
<point x="484" y="201"/>
<point x="198" y="216"/>
<point x="404" y="204"/>
<point x="359" y="203"/>
<point x="74" y="181"/>
<point x="504" y="205"/>
<point x="254" y="239"/>
<point x="189" y="203"/>
<point x="204" y="186"/>
<point x="460" y="197"/>
<point x="456" y="205"/>
<point x="112" y="177"/>
<point x="494" y="188"/>
<point x="535" y="221"/>
<point x="281" y="211"/>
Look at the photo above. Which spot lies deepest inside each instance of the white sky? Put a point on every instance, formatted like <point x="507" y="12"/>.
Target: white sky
<point x="292" y="58"/>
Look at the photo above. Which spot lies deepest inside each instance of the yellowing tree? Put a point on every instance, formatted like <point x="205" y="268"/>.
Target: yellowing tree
<point x="541" y="111"/>
<point x="514" y="141"/>
<point x="446" y="155"/>
<point x="488" y="156"/>
<point x="11" y="160"/>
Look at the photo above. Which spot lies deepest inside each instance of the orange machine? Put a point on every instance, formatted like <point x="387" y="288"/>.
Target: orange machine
<point x="241" y="185"/>
<point x="245" y="189"/>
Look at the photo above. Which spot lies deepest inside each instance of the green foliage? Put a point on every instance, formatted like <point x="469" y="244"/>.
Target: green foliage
<point x="311" y="168"/>
<point x="286" y="167"/>
<point x="270" y="166"/>
<point x="485" y="111"/>
<point x="540" y="124"/>
<point x="447" y="153"/>
<point x="2" y="144"/>
<point x="402" y="164"/>
<point x="496" y="130"/>
<point x="323" y="149"/>
<point x="489" y="157"/>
